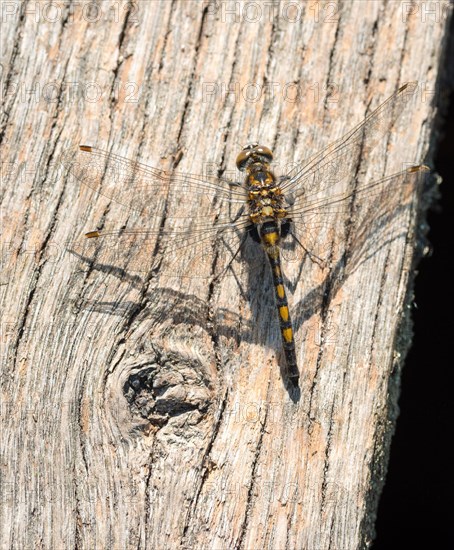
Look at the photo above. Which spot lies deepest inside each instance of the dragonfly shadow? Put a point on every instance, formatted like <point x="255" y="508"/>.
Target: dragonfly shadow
<point x="388" y="223"/>
<point x="134" y="280"/>
<point x="164" y="303"/>
<point x="367" y="233"/>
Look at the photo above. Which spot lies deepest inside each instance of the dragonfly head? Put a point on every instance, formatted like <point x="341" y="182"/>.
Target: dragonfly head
<point x="252" y="153"/>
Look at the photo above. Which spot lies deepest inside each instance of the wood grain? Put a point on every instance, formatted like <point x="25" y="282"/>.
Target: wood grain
<point x="134" y="415"/>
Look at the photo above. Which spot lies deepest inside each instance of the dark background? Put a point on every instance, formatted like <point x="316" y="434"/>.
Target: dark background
<point x="416" y="506"/>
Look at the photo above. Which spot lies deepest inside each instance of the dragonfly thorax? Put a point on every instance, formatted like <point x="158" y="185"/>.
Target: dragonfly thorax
<point x="265" y="199"/>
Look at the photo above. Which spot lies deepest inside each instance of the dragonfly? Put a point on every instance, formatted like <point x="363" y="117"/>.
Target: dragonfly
<point x="199" y="225"/>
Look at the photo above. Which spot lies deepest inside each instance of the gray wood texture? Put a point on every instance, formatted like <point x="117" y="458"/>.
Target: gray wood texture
<point x="133" y="415"/>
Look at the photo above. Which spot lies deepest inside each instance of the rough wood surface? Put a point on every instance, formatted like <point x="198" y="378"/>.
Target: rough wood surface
<point x="94" y="455"/>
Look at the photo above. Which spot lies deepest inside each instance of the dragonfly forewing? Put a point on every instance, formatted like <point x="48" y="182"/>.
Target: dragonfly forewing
<point x="337" y="163"/>
<point x="144" y="189"/>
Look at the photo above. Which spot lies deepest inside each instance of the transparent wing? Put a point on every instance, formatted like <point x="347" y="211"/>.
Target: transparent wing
<point x="360" y="218"/>
<point x="200" y="251"/>
<point x="141" y="188"/>
<point x="338" y="161"/>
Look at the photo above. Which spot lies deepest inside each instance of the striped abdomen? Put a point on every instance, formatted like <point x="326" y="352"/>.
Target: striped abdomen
<point x="270" y="238"/>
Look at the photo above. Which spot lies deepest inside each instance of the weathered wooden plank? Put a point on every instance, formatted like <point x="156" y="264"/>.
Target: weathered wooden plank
<point x="135" y="415"/>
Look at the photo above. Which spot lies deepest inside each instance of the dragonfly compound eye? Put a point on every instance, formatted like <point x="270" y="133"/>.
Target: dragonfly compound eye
<point x="254" y="153"/>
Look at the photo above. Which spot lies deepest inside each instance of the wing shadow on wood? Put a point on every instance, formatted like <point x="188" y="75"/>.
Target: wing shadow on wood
<point x="373" y="228"/>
